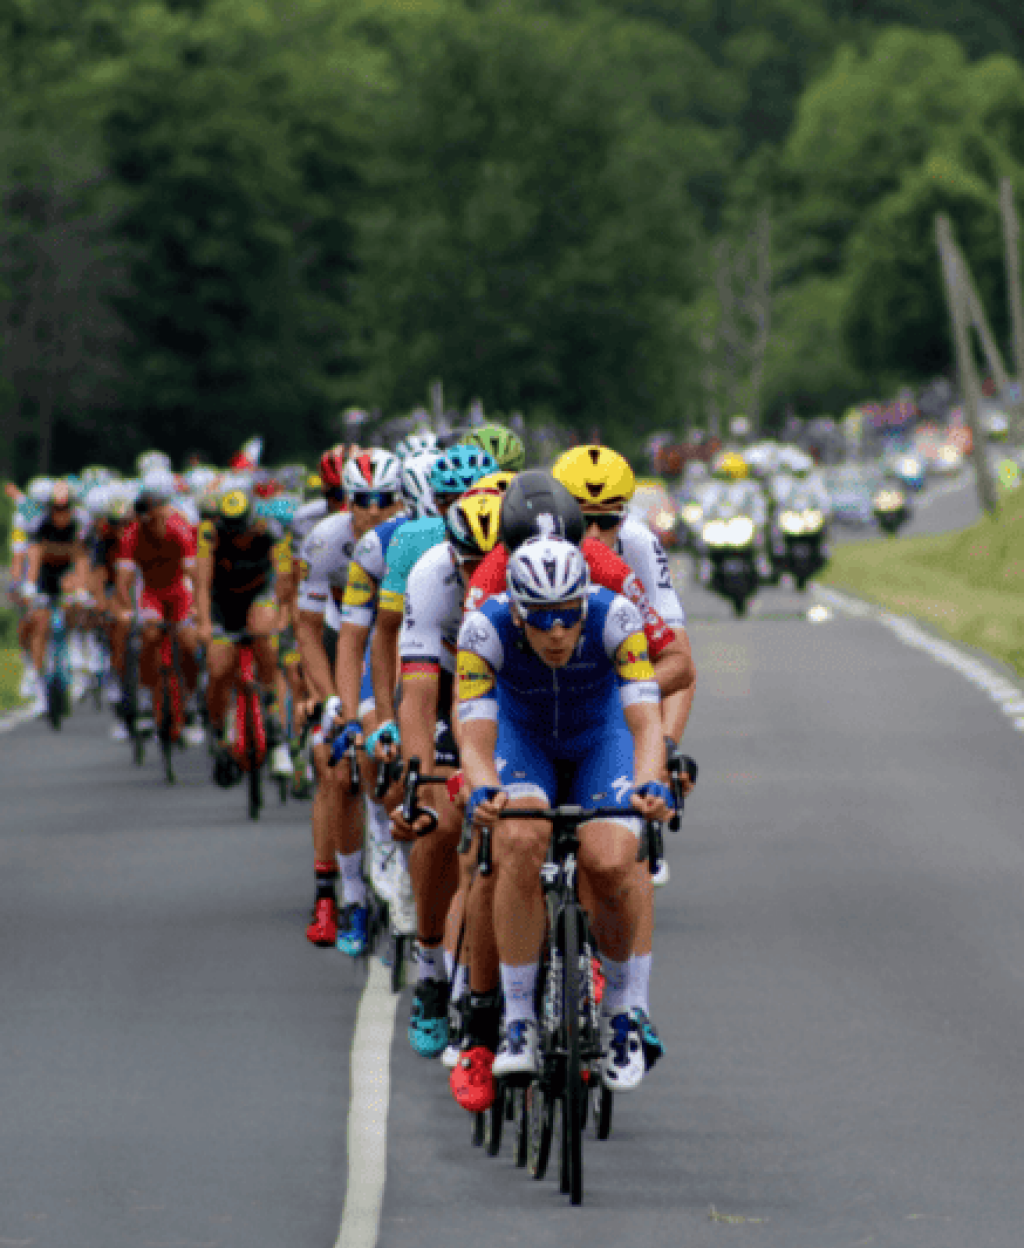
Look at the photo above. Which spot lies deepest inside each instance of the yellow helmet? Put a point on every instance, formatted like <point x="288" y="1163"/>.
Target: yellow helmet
<point x="595" y="476"/>
<point x="499" y="481"/>
<point x="314" y="483"/>
<point x="471" y="524"/>
<point x="732" y="467"/>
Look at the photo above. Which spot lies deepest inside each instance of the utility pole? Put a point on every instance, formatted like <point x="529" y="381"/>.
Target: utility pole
<point x="993" y="357"/>
<point x="1011" y="239"/>
<point x="956" y="295"/>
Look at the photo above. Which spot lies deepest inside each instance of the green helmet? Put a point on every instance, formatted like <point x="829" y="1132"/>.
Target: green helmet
<point x="506" y="446"/>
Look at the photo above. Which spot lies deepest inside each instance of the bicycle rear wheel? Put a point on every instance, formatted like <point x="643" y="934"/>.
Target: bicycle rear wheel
<point x="494" y="1121"/>
<point x="539" y="1109"/>
<point x="252" y="710"/>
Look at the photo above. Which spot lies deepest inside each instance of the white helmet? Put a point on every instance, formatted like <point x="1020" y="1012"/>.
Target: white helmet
<point x="39" y="490"/>
<point x="546" y="570"/>
<point x="373" y="469"/>
<point x="416" y="443"/>
<point x="159" y="487"/>
<point x="153" y="461"/>
<point x="416" y="483"/>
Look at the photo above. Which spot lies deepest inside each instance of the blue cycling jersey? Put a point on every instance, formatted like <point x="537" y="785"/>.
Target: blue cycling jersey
<point x="561" y="709"/>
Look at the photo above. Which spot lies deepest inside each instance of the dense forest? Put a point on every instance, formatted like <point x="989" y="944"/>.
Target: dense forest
<point x="219" y="217"/>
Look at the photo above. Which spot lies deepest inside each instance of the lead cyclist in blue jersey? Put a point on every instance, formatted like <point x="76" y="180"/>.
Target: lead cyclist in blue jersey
<point x="558" y="703"/>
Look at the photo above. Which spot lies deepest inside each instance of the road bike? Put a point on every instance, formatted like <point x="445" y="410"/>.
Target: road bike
<point x="250" y="740"/>
<point x="57" y="667"/>
<point x="168" y="700"/>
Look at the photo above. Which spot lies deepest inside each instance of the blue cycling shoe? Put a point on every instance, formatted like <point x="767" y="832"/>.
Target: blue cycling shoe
<point x="428" y="1023"/>
<point x="354" y="938"/>
<point x="649" y="1038"/>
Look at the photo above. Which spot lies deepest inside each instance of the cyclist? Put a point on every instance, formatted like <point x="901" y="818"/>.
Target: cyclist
<point x="106" y="538"/>
<point x="433" y="613"/>
<point x="355" y="688"/>
<point x="159" y="546"/>
<point x="369" y="482"/>
<point x="57" y="561"/>
<point x="603" y="483"/>
<point x="456" y="471"/>
<point x="239" y="553"/>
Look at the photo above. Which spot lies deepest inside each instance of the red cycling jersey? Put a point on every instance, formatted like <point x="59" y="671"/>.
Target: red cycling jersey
<point x="606" y="569"/>
<point x="161" y="559"/>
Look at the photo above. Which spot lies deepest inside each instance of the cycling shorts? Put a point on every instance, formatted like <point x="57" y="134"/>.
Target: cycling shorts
<point x="173" y="605"/>
<point x="601" y="774"/>
<point x="229" y="613"/>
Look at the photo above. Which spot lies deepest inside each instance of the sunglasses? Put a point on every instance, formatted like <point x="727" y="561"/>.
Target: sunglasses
<point x="545" y="618"/>
<point x="605" y="520"/>
<point x="371" y="498"/>
<point x="335" y="493"/>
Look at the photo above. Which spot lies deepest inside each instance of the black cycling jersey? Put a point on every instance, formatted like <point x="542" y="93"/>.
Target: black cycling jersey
<point x="242" y="562"/>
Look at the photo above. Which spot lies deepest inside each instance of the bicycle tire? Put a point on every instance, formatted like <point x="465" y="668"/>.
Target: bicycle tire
<point x="477" y="1129"/>
<point x="494" y="1122"/>
<point x="282" y="789"/>
<point x="54" y="702"/>
<point x="604" y="1099"/>
<point x="166" y="727"/>
<point x="398" y="944"/>
<point x="540" y="1126"/>
<point x="574" y="1091"/>
<point x="521" y="1138"/>
<point x="255" y="787"/>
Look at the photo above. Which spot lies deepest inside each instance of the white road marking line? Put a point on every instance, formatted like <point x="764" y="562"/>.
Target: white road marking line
<point x="1008" y="697"/>
<point x="368" y="1111"/>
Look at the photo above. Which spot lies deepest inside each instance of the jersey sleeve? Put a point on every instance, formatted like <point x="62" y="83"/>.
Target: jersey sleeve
<point x="359" y="599"/>
<point x="314" y="565"/>
<point x="612" y="572"/>
<point x="626" y="645"/>
<point x="126" y="545"/>
<point x="478" y="661"/>
<point x="401" y="557"/>
<point x="206" y="540"/>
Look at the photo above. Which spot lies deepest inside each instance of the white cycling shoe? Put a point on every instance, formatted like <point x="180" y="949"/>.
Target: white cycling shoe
<point x="401" y="902"/>
<point x="281" y="761"/>
<point x="519" y="1051"/>
<point x="623" y="1066"/>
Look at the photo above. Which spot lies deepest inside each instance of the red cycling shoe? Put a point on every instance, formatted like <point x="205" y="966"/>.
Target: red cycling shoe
<point x="323" y="928"/>
<point x="472" y="1082"/>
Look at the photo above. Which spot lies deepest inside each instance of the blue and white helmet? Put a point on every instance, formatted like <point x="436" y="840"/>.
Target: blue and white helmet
<point x="545" y="571"/>
<point x="416" y="491"/>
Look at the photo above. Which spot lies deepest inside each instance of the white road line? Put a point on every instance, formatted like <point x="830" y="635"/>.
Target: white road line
<point x="368" y="1111"/>
<point x="1008" y="696"/>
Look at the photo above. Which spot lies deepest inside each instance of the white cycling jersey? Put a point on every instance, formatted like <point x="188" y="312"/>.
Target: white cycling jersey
<point x="640" y="549"/>
<point x="305" y="520"/>
<point x="323" y="566"/>
<point x="433" y="611"/>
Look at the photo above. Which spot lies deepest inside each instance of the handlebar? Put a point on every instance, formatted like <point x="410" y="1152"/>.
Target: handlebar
<point x="411" y="810"/>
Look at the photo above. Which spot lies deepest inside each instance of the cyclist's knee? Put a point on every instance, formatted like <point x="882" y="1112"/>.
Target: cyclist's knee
<point x="520" y="848"/>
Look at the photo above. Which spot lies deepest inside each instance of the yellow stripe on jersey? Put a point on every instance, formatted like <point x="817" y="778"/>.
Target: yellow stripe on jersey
<point x="631" y="659"/>
<point x="281" y="557"/>
<point x="360" y="588"/>
<point x="392" y="601"/>
<point x="475" y="676"/>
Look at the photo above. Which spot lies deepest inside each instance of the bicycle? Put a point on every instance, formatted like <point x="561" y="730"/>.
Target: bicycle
<point x="168" y="703"/>
<point x="130" y="692"/>
<point x="250" y="744"/>
<point x="569" y="1027"/>
<point x="57" y="668"/>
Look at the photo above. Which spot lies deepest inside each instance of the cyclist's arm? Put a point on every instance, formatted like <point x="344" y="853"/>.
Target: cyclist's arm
<point x="675" y="708"/>
<point x="477" y="742"/>
<point x="348" y="667"/>
<point x="384" y="661"/>
<point x="35" y="564"/>
<point x="315" y="663"/>
<point x="417" y="715"/>
<point x="477" y="710"/>
<point x="644" y="721"/>
<point x="203" y="582"/>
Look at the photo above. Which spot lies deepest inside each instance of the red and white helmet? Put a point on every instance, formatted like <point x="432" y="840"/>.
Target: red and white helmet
<point x="373" y="469"/>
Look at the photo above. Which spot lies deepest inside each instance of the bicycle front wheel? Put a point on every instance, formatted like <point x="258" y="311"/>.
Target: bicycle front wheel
<point x="574" y="1092"/>
<point x="252" y="711"/>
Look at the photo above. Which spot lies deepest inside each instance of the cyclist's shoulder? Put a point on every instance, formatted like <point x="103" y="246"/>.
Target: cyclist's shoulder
<point x="611" y="617"/>
<point x="434" y="571"/>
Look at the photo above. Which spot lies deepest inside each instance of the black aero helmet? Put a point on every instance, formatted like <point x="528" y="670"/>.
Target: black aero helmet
<point x="536" y="505"/>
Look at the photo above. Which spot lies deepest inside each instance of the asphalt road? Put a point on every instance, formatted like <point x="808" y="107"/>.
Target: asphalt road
<point x="839" y="978"/>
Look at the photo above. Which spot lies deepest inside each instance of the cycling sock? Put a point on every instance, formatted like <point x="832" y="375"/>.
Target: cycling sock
<point x="353" y="886"/>
<point x="519" y="984"/>
<point x="429" y="960"/>
<point x="640" y="981"/>
<point x="380" y="823"/>
<point x="616" y="987"/>
<point x="449" y="963"/>
<point x="326" y="874"/>
<point x="460" y="981"/>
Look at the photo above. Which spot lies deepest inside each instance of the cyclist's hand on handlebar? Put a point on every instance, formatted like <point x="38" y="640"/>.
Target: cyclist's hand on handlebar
<point x="400" y="826"/>
<point x="652" y="800"/>
<point x="484" y="805"/>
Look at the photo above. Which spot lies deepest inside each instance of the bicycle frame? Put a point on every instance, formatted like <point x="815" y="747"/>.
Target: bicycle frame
<point x="58" y="667"/>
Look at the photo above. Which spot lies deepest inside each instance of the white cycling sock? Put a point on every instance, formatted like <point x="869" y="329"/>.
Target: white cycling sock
<point x="429" y="960"/>
<point x="353" y="886"/>
<point x="640" y="982"/>
<point x="519" y="984"/>
<point x="380" y="823"/>
<point x="460" y="982"/>
<point x="616" y="987"/>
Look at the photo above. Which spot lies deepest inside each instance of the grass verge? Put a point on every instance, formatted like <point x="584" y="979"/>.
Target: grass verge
<point x="969" y="585"/>
<point x="10" y="662"/>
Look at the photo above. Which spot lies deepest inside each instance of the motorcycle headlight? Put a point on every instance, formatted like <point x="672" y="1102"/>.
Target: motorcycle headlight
<point x="791" y="522"/>
<point x="692" y="514"/>
<point x="888" y="500"/>
<point x="714" y="533"/>
<point x="664" y="520"/>
<point x="739" y="530"/>
<point x="813" y="520"/>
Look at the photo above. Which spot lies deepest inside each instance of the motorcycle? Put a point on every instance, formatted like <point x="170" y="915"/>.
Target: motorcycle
<point x="891" y="509"/>
<point x="799" y="543"/>
<point x="728" y="561"/>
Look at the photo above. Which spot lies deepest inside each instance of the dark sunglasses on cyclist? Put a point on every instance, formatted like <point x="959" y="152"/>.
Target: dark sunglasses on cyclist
<point x="335" y="493"/>
<point x="370" y="498"/>
<point x="605" y="520"/>
<point x="545" y="618"/>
